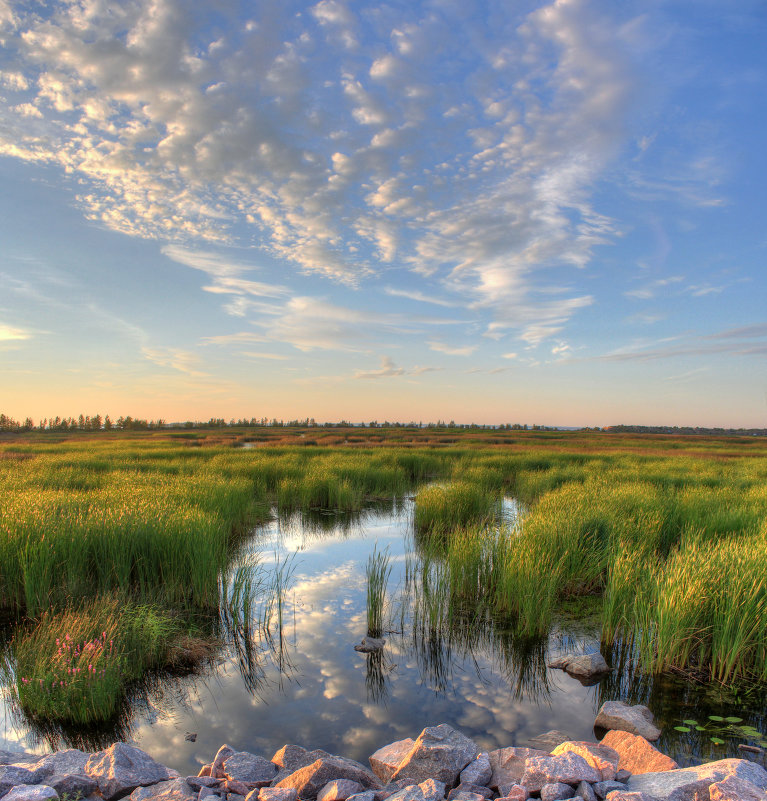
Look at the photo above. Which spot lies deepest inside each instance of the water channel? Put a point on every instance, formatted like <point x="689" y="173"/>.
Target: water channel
<point x="309" y="686"/>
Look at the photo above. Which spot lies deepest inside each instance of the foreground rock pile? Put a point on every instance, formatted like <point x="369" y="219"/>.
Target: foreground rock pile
<point x="441" y="764"/>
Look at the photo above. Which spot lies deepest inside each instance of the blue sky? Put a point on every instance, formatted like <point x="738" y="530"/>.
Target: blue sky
<point x="490" y="212"/>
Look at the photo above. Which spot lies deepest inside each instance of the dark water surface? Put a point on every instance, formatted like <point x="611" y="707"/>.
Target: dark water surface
<point x="313" y="689"/>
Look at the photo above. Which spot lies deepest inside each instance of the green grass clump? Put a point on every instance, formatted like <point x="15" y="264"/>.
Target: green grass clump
<point x="75" y="666"/>
<point x="378" y="572"/>
<point x="442" y="508"/>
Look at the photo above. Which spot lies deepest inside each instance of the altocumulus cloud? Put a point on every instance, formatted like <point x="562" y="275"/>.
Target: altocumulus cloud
<point x="345" y="138"/>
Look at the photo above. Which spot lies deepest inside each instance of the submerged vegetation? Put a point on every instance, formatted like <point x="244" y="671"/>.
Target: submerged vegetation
<point x="130" y="539"/>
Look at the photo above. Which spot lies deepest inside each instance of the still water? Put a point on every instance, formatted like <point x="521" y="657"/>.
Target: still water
<point x="309" y="686"/>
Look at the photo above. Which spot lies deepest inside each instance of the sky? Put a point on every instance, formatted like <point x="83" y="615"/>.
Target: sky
<point x="492" y="212"/>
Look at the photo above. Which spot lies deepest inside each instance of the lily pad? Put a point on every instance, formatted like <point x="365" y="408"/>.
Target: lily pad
<point x="733" y="719"/>
<point x="690" y="722"/>
<point x="717" y="718"/>
<point x="681" y="728"/>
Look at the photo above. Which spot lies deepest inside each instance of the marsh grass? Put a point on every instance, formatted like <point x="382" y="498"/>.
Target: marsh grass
<point x="442" y="508"/>
<point x="378" y="571"/>
<point x="76" y="665"/>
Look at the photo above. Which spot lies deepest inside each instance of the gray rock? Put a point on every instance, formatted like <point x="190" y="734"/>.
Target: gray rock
<point x="568" y="768"/>
<point x="368" y="795"/>
<point x="585" y="791"/>
<point x="13" y="775"/>
<point x="217" y="766"/>
<point x="508" y="765"/>
<point x="122" y="768"/>
<point x="477" y="772"/>
<point x="173" y="790"/>
<point x="73" y="784"/>
<point x="339" y="790"/>
<point x="683" y="784"/>
<point x="429" y="790"/>
<point x="633" y="719"/>
<point x="385" y="761"/>
<point x="309" y="780"/>
<point x="734" y="789"/>
<point x="291" y="757"/>
<point x="235" y="797"/>
<point x="549" y="740"/>
<point x="72" y="761"/>
<point x="440" y="753"/>
<point x="585" y="666"/>
<point x="198" y="782"/>
<point x="274" y="794"/>
<point x="208" y="792"/>
<point x="31" y="792"/>
<point x="463" y="795"/>
<point x="603" y="788"/>
<point x="598" y="755"/>
<point x="370" y="645"/>
<point x="249" y="768"/>
<point x="626" y="795"/>
<point x="479" y="789"/>
<point x="623" y="775"/>
<point x="556" y="791"/>
<point x="513" y="792"/>
<point x="17" y="757"/>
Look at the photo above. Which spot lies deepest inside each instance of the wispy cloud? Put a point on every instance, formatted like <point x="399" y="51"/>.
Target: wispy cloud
<point x="176" y="358"/>
<point x="419" y="296"/>
<point x="451" y="350"/>
<point x="9" y="333"/>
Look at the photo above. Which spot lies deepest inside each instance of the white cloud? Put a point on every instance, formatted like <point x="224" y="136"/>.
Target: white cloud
<point x="279" y="134"/>
<point x="388" y="369"/>
<point x="176" y="358"/>
<point x="450" y="350"/>
<point x="10" y="333"/>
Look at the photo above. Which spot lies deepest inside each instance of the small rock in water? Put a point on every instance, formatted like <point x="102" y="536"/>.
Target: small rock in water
<point x="633" y="719"/>
<point x="191" y="736"/>
<point x="370" y="644"/>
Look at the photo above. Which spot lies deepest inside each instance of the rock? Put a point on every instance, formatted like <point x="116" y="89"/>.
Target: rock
<point x="238" y="787"/>
<point x="567" y="768"/>
<point x="73" y="785"/>
<point x="208" y="792"/>
<point x="514" y="792"/>
<point x="385" y="761"/>
<point x="217" y="766"/>
<point x="622" y="775"/>
<point x="173" y="790"/>
<point x="479" y="789"/>
<point x="71" y="761"/>
<point x="508" y="765"/>
<point x="339" y="790"/>
<point x="274" y="794"/>
<point x="370" y="645"/>
<point x="198" y="782"/>
<point x="556" y="791"/>
<point x="464" y="795"/>
<point x="248" y="768"/>
<point x="16" y="757"/>
<point x="603" y="788"/>
<point x="585" y="791"/>
<point x="31" y="792"/>
<point x="636" y="754"/>
<point x="599" y="756"/>
<point x="477" y="772"/>
<point x="205" y="770"/>
<point x="734" y="789"/>
<point x="291" y="757"/>
<point x="429" y="790"/>
<point x="122" y="768"/>
<point x="440" y="753"/>
<point x="683" y="784"/>
<point x="191" y="736"/>
<point x="585" y="666"/>
<point x="309" y="780"/>
<point x="633" y="719"/>
<point x="13" y="775"/>
<point x="235" y="797"/>
<point x="549" y="740"/>
<point x="626" y="795"/>
<point x="368" y="795"/>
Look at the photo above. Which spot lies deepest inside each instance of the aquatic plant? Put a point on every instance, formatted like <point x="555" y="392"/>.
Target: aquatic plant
<point x="378" y="571"/>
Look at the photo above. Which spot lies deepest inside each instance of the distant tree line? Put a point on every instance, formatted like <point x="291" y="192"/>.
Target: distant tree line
<point x="687" y="430"/>
<point x="98" y="423"/>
